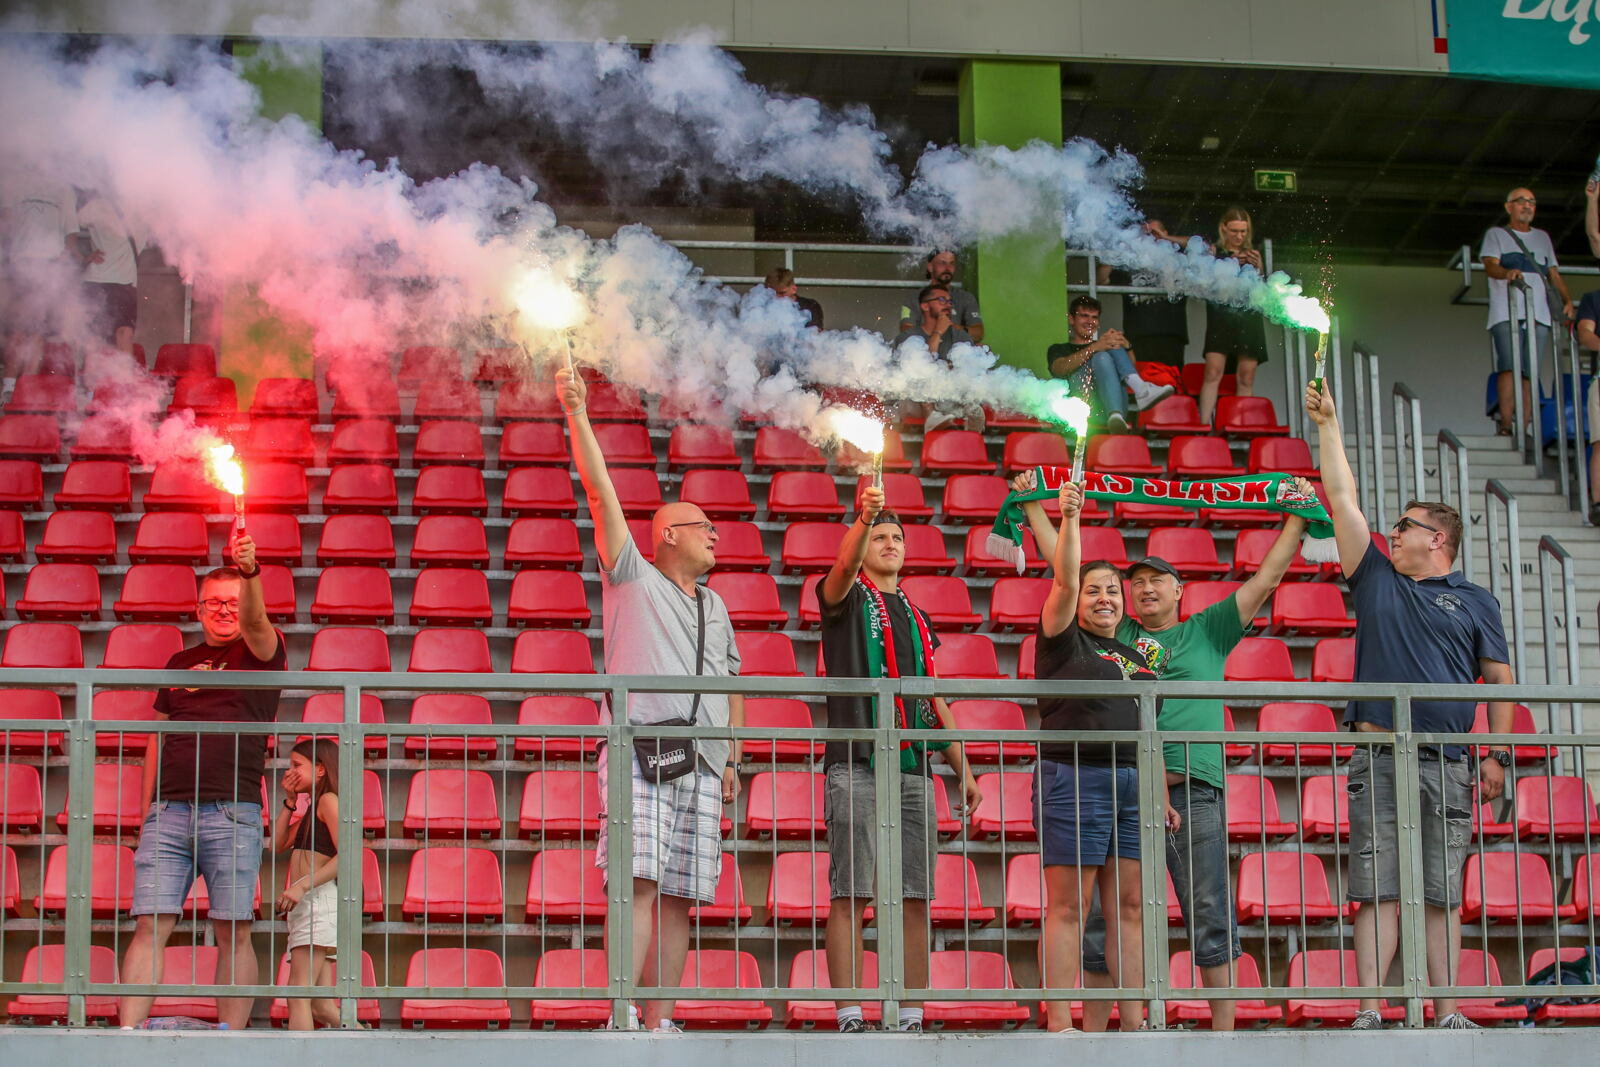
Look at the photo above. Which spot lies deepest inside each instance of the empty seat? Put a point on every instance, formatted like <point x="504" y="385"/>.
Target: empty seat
<point x="979" y="560"/>
<point x="1511" y="887"/>
<point x="560" y="709"/>
<point x="537" y="444"/>
<point x="722" y="969"/>
<point x="34" y="437"/>
<point x="47" y="965"/>
<point x="545" y="491"/>
<point x="992" y="716"/>
<point x="902" y="495"/>
<point x="280" y="441"/>
<point x="40" y="705"/>
<point x="1192" y="551"/>
<point x="1558" y="806"/>
<point x="1296" y="717"/>
<point x="463" y="967"/>
<point x="947" y="452"/>
<point x="329" y="708"/>
<point x="1006" y="810"/>
<point x="367" y="539"/>
<point x="1522" y="722"/>
<point x="1285" y="888"/>
<point x="46" y="394"/>
<point x="451" y="596"/>
<point x="1257" y="659"/>
<point x="117" y="801"/>
<point x="721" y="494"/>
<point x="499" y="364"/>
<point x="285" y="398"/>
<point x="452" y="803"/>
<point x="208" y="397"/>
<point x="1121" y="454"/>
<point x="1325" y="808"/>
<point x="13" y="542"/>
<point x="560" y="805"/>
<point x="1328" y="967"/>
<point x="43" y="644"/>
<point x="1314" y="609"/>
<point x="179" y="486"/>
<point x="110" y="882"/>
<point x="446" y="441"/>
<point x="784" y="804"/>
<point x="925" y="551"/>
<point x="103" y="437"/>
<point x="766" y="654"/>
<point x="364" y="441"/>
<point x="185" y="360"/>
<point x="1251" y="548"/>
<point x="638" y="489"/>
<point x="78" y="537"/>
<point x="571" y="968"/>
<point x="1248" y="416"/>
<point x="797" y="892"/>
<point x="1185" y="975"/>
<point x="956" y="969"/>
<point x="1282" y="455"/>
<point x="785" y="713"/>
<point x="810" y="547"/>
<point x="565" y="886"/>
<point x="552" y="652"/>
<point x="966" y="656"/>
<point x="1478" y="968"/>
<point x="62" y="591"/>
<point x="453" y="884"/>
<point x="528" y="399"/>
<point x="349" y="648"/>
<point x="95" y="483"/>
<point x="364" y="395"/>
<point x="729" y="907"/>
<point x="1016" y="603"/>
<point x="447" y="717"/>
<point x="943" y="599"/>
<point x="21" y="801"/>
<point x="120" y="706"/>
<point x="613" y="403"/>
<point x="809" y="970"/>
<point x="10" y="883"/>
<point x="778" y="449"/>
<point x="973" y="498"/>
<point x="1025" y="450"/>
<point x="1201" y="457"/>
<point x="625" y="444"/>
<point x="1172" y="416"/>
<point x="449" y="399"/>
<point x="551" y="598"/>
<point x="157" y="592"/>
<point x="1334" y="660"/>
<point x="550" y="543"/>
<point x="22" y="484"/>
<point x="751" y="599"/>
<point x="1253" y="810"/>
<point x="694" y="445"/>
<point x="354" y="594"/>
<point x="956" y="900"/>
<point x="449" y="491"/>
<point x="170" y="537"/>
<point x="366" y="487"/>
<point x="802" y="495"/>
<point x="1585" y="885"/>
<point x="430" y="364"/>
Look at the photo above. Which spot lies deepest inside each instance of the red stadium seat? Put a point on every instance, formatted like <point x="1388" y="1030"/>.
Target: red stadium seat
<point x="810" y="971"/>
<point x="528" y="399"/>
<point x="447" y="717"/>
<point x="1248" y="416"/>
<point x="100" y="484"/>
<point x="453" y="884"/>
<point x="810" y="612"/>
<point x="39" y="705"/>
<point x="542" y="491"/>
<point x="432" y="364"/>
<point x="46" y="964"/>
<point x="1192" y="376"/>
<point x="571" y="967"/>
<point x="361" y="487"/>
<point x="1555" y="1012"/>
<point x="779" y="449"/>
<point x="35" y="437"/>
<point x="62" y="591"/>
<point x="1478" y="967"/>
<point x="752" y="600"/>
<point x="549" y="543"/>
<point x="207" y="397"/>
<point x="925" y="552"/>
<point x="22" y="484"/>
<point x="1251" y="549"/>
<point x="449" y="491"/>
<point x="1128" y="513"/>
<point x="450" y="650"/>
<point x="1293" y="717"/>
<point x="797" y="495"/>
<point x="1334" y="660"/>
<point x="560" y="805"/>
<point x="1027" y="450"/>
<point x="955" y="969"/>
<point x="1251" y="1013"/>
<point x="10" y="883"/>
<point x="534" y="444"/>
<point x="996" y="717"/>
<point x="366" y="1008"/>
<point x="1201" y="457"/>
<point x="13" y="542"/>
<point x="1172" y="416"/>
<point x="638" y="490"/>
<point x="451" y="596"/>
<point x="1521" y="723"/>
<point x="1312" y="609"/>
<point x="1192" y="551"/>
<point x="364" y="539"/>
<point x="44" y="394"/>
<point x="294" y="398"/>
<point x="364" y="441"/>
<point x="102" y="437"/>
<point x="947" y="452"/>
<point x="1556" y="806"/>
<point x="79" y="537"/>
<point x="21" y="802"/>
<point x="1325" y="808"/>
<point x="1511" y="887"/>
<point x="446" y="442"/>
<point x="694" y="445"/>
<point x="550" y="598"/>
<point x="797" y="892"/>
<point x="122" y="706"/>
<point x="779" y="713"/>
<point x="185" y="360"/>
<point x="721" y="494"/>
<point x="729" y="907"/>
<point x="962" y="655"/>
<point x="1282" y="455"/>
<point x="277" y="487"/>
<point x="956" y="902"/>
<point x="188" y="965"/>
<point x="1121" y="454"/>
<point x="1586" y="885"/>
<point x="448" y="399"/>
<point x="614" y="403"/>
<point x="110" y="882"/>
<point x="766" y="654"/>
<point x="43" y="644"/>
<point x="1285" y="888"/>
<point x="168" y="537"/>
<point x="177" y="486"/>
<point x="902" y="495"/>
<point x="976" y="558"/>
<point x="558" y="710"/>
<point x="1006" y="810"/>
<point x="323" y="708"/>
<point x="452" y="803"/>
<point x="1016" y="603"/>
<point x="280" y="441"/>
<point x="117" y="804"/>
<point x="564" y="886"/>
<point x="1258" y="659"/>
<point x="786" y="805"/>
<point x="463" y="967"/>
<point x="945" y="600"/>
<point x="625" y="444"/>
<point x="359" y="594"/>
<point x="724" y="969"/>
<point x="349" y="648"/>
<point x="1253" y="810"/>
<point x="811" y="547"/>
<point x="973" y="498"/>
<point x="552" y="652"/>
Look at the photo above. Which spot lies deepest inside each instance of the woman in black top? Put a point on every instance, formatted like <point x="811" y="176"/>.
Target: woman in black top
<point x="310" y="833"/>
<point x="1086" y="795"/>
<point x="1236" y="338"/>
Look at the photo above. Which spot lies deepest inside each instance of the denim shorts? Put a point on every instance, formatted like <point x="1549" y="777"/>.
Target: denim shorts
<point x="1446" y="791"/>
<point x="1197" y="860"/>
<point x="1500" y="336"/>
<point x="850" y="804"/>
<point x="218" y="839"/>
<point x="1085" y="814"/>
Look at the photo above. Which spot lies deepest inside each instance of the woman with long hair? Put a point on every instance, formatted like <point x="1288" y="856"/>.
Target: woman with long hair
<point x="1236" y="338"/>
<point x="310" y="833"/>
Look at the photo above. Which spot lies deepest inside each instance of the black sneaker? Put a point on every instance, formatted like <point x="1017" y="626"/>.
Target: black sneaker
<point x="1594" y="513"/>
<point x="853" y="1026"/>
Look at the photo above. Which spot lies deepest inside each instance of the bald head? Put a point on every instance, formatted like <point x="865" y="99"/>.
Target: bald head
<point x="684" y="538"/>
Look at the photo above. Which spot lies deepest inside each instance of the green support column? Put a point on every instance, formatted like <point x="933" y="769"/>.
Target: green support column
<point x="1021" y="281"/>
<point x="254" y="343"/>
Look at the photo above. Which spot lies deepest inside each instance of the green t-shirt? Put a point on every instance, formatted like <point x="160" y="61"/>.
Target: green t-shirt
<point x="1192" y="651"/>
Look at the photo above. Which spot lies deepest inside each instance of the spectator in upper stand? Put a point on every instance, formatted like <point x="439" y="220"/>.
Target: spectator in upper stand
<point x="781" y="281"/>
<point x="940" y="269"/>
<point x="1591" y="215"/>
<point x="1155" y="324"/>
<point x="870" y="629"/>
<point x="1421" y="622"/>
<point x="1236" y="338"/>
<point x="1099" y="364"/>
<point x="660" y="620"/>
<point x="938" y="331"/>
<point x="38" y="217"/>
<point x="110" y="257"/>
<point x="1588" y="315"/>
<point x="1521" y="255"/>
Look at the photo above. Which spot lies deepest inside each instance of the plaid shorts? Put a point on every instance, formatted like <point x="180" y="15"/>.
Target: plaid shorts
<point x="677" y="832"/>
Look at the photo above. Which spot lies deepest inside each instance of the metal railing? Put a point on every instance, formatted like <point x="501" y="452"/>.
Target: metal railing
<point x="1370" y="480"/>
<point x="81" y="733"/>
<point x="1408" y="469"/>
<point x="1559" y="627"/>
<point x="1466" y="261"/>
<point x="1455" y="489"/>
<point x="1510" y="569"/>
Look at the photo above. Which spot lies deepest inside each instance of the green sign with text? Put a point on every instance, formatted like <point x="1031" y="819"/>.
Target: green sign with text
<point x="1276" y="181"/>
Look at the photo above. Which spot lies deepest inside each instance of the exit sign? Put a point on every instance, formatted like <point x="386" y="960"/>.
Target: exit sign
<point x="1276" y="181"/>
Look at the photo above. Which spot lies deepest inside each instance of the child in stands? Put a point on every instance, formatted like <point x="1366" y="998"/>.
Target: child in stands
<point x="311" y="897"/>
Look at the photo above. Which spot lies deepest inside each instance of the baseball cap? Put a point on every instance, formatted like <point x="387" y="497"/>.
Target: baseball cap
<point x="1155" y="563"/>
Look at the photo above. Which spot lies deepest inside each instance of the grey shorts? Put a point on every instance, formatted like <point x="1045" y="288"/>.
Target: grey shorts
<point x="1446" y="813"/>
<point x="851" y="809"/>
<point x="677" y="832"/>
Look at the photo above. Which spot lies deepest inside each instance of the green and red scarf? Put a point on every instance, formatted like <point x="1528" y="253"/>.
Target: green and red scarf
<point x="1254" y="492"/>
<point x="883" y="663"/>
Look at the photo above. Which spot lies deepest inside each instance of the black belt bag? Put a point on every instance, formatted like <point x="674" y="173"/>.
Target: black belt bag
<point x="661" y="759"/>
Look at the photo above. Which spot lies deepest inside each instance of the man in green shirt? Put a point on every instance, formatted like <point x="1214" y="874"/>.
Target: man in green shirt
<point x="1194" y="650"/>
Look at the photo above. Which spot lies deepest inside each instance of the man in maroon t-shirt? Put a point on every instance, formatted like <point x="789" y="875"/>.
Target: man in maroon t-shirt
<point x="202" y="792"/>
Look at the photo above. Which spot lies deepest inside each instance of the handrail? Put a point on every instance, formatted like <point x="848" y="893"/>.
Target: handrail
<point x="1453" y="484"/>
<point x="1493" y="491"/>
<point x="1407" y="438"/>
<point x="1464" y="260"/>
<point x="1553" y="553"/>
<point x="1369" y="435"/>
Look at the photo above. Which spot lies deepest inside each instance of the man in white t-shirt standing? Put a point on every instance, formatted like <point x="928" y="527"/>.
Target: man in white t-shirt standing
<point x="1519" y="255"/>
<point x="659" y="620"/>
<point x="111" y="270"/>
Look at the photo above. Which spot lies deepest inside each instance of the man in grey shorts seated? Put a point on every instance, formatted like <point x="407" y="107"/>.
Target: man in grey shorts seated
<point x="870" y="629"/>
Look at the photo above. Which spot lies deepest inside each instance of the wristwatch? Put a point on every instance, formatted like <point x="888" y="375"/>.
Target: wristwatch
<point x="250" y="574"/>
<point x="1501" y="756"/>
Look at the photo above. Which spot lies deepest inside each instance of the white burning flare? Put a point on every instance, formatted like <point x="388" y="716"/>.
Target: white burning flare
<point x="224" y="471"/>
<point x="862" y="432"/>
<point x="1074" y="412"/>
<point x="549" y="303"/>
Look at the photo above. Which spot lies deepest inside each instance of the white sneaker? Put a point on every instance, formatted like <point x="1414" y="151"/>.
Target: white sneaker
<point x="632" y="1023"/>
<point x="667" y="1026"/>
<point x="1456" y="1021"/>
<point x="1367" y="1019"/>
<point x="1146" y="394"/>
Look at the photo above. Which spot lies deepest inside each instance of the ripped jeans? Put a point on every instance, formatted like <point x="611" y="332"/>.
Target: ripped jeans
<point x="1446" y="815"/>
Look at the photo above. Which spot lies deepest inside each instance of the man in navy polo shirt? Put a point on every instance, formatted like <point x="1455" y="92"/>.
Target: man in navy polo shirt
<point x="1420" y="621"/>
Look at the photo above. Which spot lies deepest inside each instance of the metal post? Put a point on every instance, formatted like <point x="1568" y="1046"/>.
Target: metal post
<point x="1302" y="375"/>
<point x="1453" y="489"/>
<point x="80" y="828"/>
<point x="1408" y="810"/>
<point x="1567" y="623"/>
<point x="1558" y="348"/>
<point x="1495" y="491"/>
<point x="1364" y="459"/>
<point x="1151" y="766"/>
<point x="1335" y="371"/>
<point x="1518" y="432"/>
<point x="1380" y="498"/>
<point x="1582" y="444"/>
<point x="1094" y="285"/>
<point x="619" y="843"/>
<point x="1409" y="484"/>
<point x="1294" y="415"/>
<point x="347" y="939"/>
<point x="891" y="907"/>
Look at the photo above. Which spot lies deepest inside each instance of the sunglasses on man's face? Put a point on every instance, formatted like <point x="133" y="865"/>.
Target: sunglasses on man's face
<point x="1407" y="522"/>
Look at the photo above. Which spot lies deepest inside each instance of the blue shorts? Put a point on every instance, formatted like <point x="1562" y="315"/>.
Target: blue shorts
<point x="1500" y="336"/>
<point x="219" y="839"/>
<point x="1085" y="814"/>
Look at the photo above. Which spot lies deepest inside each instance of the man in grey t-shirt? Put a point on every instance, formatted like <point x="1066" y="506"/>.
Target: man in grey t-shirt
<point x="940" y="269"/>
<point x="652" y="618"/>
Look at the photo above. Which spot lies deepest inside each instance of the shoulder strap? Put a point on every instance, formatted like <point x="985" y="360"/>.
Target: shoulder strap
<point x="699" y="649"/>
<point x="1540" y="267"/>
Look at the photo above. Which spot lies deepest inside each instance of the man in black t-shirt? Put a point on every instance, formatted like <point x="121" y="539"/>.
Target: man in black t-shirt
<point x="202" y="792"/>
<point x="1588" y="334"/>
<point x="1155" y="324"/>
<point x="870" y="629"/>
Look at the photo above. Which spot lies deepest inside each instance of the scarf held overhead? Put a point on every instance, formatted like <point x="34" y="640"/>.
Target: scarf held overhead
<point x="1255" y="492"/>
<point x="882" y="663"/>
